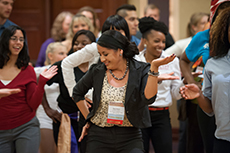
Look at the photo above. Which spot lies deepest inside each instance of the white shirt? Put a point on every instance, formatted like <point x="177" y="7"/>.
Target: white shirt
<point x="179" y="47"/>
<point x="87" y="54"/>
<point x="168" y="89"/>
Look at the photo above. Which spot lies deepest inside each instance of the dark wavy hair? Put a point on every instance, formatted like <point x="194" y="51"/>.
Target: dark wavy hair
<point x="146" y="24"/>
<point x="118" y="22"/>
<point x="88" y="33"/>
<point x="129" y="48"/>
<point x="219" y="34"/>
<point x="23" y="57"/>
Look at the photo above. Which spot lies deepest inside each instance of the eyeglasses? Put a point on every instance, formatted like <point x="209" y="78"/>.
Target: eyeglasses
<point x="15" y="39"/>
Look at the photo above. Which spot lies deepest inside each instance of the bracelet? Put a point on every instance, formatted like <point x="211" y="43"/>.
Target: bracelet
<point x="152" y="73"/>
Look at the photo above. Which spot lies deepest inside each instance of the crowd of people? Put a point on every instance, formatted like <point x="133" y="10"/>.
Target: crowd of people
<point x="110" y="90"/>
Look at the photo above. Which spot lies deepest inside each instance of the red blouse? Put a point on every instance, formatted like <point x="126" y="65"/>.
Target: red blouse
<point x="20" y="108"/>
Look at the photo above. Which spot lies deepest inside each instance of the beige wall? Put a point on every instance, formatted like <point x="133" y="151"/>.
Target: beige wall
<point x="180" y="12"/>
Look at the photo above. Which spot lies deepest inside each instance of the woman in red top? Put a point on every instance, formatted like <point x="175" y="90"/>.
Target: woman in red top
<point x="19" y="128"/>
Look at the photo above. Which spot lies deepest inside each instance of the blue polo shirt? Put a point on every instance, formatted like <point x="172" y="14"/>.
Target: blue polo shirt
<point x="135" y="39"/>
<point x="199" y="46"/>
<point x="5" y="25"/>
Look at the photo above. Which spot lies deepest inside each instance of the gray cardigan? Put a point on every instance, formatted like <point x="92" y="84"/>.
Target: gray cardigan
<point x="136" y="104"/>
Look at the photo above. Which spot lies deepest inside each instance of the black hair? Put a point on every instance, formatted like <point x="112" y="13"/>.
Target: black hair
<point x="126" y="7"/>
<point x="88" y="33"/>
<point x="146" y="24"/>
<point x="118" y="22"/>
<point x="129" y="48"/>
<point x="23" y="57"/>
<point x="219" y="35"/>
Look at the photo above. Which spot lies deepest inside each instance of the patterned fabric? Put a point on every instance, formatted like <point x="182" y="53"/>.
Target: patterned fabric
<point x="108" y="94"/>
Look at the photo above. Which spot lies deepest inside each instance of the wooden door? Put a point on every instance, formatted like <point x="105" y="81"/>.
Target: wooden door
<point x="36" y="17"/>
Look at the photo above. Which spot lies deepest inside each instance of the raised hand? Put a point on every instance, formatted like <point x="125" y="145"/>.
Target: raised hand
<point x="161" y="61"/>
<point x="190" y="91"/>
<point x="6" y="92"/>
<point x="49" y="73"/>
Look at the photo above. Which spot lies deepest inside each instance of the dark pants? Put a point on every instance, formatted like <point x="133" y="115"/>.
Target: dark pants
<point x="114" y="140"/>
<point x="160" y="133"/>
<point x="207" y="128"/>
<point x="194" y="139"/>
<point x="221" y="146"/>
<point x="182" y="131"/>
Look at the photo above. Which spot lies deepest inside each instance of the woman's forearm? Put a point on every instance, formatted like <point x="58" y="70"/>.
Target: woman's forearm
<point x="205" y="104"/>
<point x="83" y="108"/>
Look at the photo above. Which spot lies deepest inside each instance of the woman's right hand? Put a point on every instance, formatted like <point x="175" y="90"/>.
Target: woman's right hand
<point x="190" y="91"/>
<point x="84" y="131"/>
<point x="53" y="114"/>
<point x="7" y="92"/>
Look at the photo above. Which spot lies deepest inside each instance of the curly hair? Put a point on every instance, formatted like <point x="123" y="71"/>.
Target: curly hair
<point x="57" y="32"/>
<point x="78" y="17"/>
<point x="146" y="24"/>
<point x="219" y="34"/>
<point x="23" y="57"/>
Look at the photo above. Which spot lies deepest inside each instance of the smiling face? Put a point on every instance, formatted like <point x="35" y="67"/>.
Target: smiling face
<point x="16" y="43"/>
<point x="79" y="25"/>
<point x="6" y="7"/>
<point x="110" y="57"/>
<point x="81" y="42"/>
<point x="155" y="43"/>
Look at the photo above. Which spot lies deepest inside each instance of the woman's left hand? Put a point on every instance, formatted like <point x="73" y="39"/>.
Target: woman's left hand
<point x="49" y="73"/>
<point x="161" y="61"/>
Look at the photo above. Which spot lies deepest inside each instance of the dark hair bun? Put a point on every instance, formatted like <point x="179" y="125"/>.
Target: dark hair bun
<point x="149" y="23"/>
<point x="131" y="50"/>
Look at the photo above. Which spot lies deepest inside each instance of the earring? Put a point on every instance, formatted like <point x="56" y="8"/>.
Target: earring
<point x="145" y="45"/>
<point x="120" y="54"/>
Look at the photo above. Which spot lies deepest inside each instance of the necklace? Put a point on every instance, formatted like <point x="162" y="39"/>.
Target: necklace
<point x="127" y="67"/>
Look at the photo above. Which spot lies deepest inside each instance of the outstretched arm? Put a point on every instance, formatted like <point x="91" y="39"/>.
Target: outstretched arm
<point x="151" y="85"/>
<point x="86" y="54"/>
<point x="192" y="91"/>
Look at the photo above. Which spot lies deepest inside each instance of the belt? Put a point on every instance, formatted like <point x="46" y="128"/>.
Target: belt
<point x="157" y="108"/>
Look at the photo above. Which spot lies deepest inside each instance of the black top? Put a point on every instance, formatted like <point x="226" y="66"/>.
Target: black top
<point x="65" y="102"/>
<point x="136" y="104"/>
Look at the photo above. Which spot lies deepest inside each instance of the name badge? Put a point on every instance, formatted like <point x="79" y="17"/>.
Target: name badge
<point x="116" y="112"/>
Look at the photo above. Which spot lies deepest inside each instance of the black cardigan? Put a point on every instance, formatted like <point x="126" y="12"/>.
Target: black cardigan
<point x="136" y="104"/>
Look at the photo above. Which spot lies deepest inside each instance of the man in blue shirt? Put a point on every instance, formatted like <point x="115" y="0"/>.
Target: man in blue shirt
<point x="128" y="12"/>
<point x="6" y="7"/>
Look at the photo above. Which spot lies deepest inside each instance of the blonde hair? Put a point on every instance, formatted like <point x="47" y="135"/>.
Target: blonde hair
<point x="194" y="20"/>
<point x="57" y="32"/>
<point x="51" y="49"/>
<point x="78" y="17"/>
